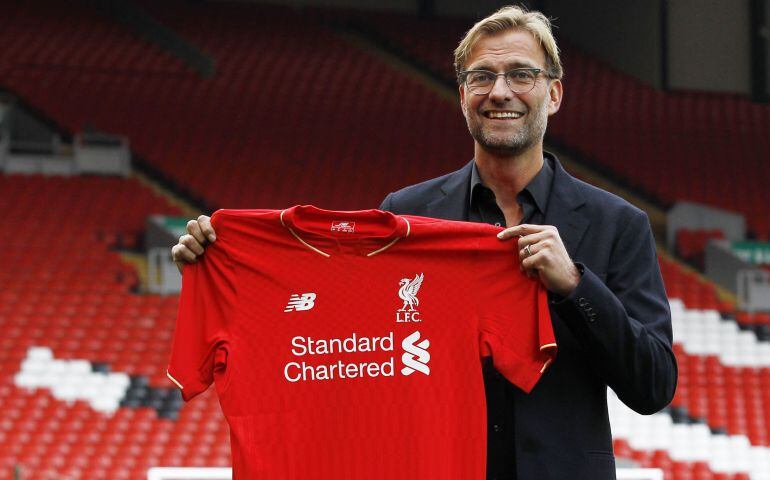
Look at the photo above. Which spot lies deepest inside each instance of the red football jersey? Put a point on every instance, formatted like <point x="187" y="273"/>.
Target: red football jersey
<point x="348" y="344"/>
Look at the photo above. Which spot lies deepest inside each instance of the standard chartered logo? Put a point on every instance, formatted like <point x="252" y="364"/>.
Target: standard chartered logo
<point x="416" y="356"/>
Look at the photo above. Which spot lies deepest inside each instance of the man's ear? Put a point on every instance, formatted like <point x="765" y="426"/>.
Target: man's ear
<point x="555" y="93"/>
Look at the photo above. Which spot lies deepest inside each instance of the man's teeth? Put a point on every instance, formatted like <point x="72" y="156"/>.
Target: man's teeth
<point x="504" y="114"/>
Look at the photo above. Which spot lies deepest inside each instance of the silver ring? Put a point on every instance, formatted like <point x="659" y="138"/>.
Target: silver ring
<point x="529" y="252"/>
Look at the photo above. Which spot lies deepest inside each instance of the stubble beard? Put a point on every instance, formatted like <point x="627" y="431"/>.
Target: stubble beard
<point x="530" y="134"/>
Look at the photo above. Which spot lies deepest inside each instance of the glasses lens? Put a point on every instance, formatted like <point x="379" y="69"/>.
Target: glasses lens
<point x="479" y="81"/>
<point x="521" y="80"/>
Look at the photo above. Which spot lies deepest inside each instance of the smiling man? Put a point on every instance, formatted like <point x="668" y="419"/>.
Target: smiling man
<point x="593" y="251"/>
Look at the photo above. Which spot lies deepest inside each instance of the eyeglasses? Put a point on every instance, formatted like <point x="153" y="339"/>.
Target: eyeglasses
<point x="519" y="80"/>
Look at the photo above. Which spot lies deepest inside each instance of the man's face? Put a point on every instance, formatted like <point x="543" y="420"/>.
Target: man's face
<point x="509" y="134"/>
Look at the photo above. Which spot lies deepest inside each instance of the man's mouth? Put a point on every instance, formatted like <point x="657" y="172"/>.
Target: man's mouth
<point x="503" y="115"/>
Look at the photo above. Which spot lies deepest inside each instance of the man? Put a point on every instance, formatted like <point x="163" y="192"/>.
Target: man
<point x="593" y="252"/>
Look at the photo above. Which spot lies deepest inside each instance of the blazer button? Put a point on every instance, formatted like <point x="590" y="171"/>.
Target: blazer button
<point x="497" y="428"/>
<point x="582" y="302"/>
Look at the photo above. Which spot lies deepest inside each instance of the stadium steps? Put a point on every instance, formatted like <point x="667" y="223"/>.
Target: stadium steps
<point x="138" y="260"/>
<point x="397" y="62"/>
<point x="726" y="300"/>
<point x="185" y="205"/>
<point x="136" y="20"/>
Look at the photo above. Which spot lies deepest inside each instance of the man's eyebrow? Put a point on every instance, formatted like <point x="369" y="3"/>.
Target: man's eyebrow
<point x="508" y="66"/>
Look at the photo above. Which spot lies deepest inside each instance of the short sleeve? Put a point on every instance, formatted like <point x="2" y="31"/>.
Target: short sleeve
<point x="206" y="306"/>
<point x="514" y="320"/>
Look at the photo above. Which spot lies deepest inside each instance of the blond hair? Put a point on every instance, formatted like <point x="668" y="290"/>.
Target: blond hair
<point x="511" y="18"/>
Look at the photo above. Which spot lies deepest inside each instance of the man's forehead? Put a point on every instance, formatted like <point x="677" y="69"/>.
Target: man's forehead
<point x="511" y="48"/>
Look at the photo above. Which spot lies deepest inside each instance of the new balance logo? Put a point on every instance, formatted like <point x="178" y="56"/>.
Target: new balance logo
<point x="415" y="355"/>
<point x="298" y="303"/>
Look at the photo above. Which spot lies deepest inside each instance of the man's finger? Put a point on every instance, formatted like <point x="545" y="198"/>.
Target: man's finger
<point x="521" y="230"/>
<point x="205" y="225"/>
<point x="527" y="251"/>
<point x="180" y="253"/>
<point x="533" y="238"/>
<point x="194" y="229"/>
<point x="192" y="243"/>
<point x="175" y="254"/>
<point x="532" y="263"/>
<point x="526" y="256"/>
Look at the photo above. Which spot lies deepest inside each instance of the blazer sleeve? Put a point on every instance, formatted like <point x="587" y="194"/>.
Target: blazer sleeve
<point x="625" y="321"/>
<point x="387" y="204"/>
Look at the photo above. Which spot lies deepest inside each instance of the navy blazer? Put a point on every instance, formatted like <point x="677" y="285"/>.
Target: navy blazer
<point x="613" y="330"/>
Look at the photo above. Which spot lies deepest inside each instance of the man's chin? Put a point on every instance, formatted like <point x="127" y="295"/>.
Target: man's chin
<point x="504" y="148"/>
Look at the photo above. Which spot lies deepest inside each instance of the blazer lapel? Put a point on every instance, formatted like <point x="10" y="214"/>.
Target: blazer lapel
<point x="564" y="208"/>
<point x="453" y="204"/>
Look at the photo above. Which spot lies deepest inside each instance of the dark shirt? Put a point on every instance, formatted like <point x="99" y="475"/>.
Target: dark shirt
<point x="501" y="439"/>
<point x="533" y="199"/>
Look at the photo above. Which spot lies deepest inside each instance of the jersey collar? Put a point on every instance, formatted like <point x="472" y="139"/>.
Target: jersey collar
<point x="373" y="230"/>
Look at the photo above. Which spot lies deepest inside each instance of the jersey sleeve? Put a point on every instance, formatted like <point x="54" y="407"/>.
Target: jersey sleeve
<point x="206" y="306"/>
<point x="514" y="320"/>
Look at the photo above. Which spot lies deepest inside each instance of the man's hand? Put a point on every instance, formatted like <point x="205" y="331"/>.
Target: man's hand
<point x="542" y="253"/>
<point x="191" y="246"/>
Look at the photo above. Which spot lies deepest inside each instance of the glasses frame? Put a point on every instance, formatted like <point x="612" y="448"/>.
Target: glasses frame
<point x="463" y="79"/>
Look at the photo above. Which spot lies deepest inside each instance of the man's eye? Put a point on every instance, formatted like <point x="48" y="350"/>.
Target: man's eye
<point x="480" y="77"/>
<point x="520" y="75"/>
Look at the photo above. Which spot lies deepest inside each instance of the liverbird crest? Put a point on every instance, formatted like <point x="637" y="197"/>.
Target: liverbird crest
<point x="408" y="292"/>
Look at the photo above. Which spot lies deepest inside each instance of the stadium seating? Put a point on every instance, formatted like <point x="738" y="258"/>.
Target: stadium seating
<point x="429" y="43"/>
<point x="64" y="292"/>
<point x="758" y="318"/>
<point x="289" y="99"/>
<point x="49" y="35"/>
<point x="696" y="292"/>
<point x="690" y="288"/>
<point x="717" y="423"/>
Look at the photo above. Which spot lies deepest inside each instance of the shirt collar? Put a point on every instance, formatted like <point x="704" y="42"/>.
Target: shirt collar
<point x="373" y="230"/>
<point x="539" y="188"/>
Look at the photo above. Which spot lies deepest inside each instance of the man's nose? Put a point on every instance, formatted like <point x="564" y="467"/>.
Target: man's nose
<point x="500" y="91"/>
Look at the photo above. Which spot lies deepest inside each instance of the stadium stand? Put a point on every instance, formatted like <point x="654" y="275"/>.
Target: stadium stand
<point x="318" y="102"/>
<point x="48" y="35"/>
<point x="330" y="103"/>
<point x="83" y="388"/>
<point x="716" y="426"/>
